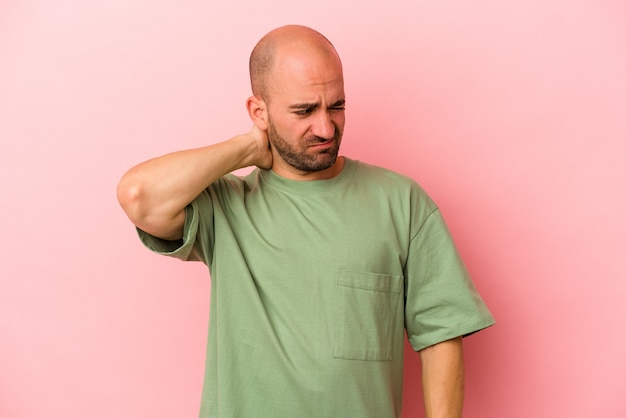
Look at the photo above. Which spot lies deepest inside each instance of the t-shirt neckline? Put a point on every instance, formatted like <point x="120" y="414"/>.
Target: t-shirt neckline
<point x="311" y="186"/>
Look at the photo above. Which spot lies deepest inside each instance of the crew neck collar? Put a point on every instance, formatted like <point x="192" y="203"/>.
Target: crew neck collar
<point x="311" y="186"/>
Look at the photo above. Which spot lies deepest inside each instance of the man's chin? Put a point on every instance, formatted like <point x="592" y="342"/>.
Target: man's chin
<point x="322" y="162"/>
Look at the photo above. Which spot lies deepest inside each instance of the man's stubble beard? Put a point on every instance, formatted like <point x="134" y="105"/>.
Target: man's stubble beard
<point x="298" y="158"/>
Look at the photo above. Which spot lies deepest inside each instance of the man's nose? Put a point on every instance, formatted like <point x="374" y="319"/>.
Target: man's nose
<point x="323" y="126"/>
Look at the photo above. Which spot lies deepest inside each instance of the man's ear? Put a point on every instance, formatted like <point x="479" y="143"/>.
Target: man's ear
<point x="257" y="110"/>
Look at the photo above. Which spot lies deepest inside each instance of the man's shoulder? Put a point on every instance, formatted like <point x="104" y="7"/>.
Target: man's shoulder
<point x="237" y="182"/>
<point x="382" y="175"/>
<point x="382" y="182"/>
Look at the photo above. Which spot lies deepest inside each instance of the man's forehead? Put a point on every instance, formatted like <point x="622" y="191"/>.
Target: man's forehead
<point x="293" y="93"/>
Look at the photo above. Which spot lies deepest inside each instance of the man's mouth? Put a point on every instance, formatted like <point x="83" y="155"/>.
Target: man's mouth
<point x="323" y="144"/>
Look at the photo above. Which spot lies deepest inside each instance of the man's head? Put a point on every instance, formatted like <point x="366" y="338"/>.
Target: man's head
<point x="297" y="82"/>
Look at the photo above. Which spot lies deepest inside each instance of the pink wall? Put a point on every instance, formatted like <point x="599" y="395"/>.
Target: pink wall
<point x="513" y="117"/>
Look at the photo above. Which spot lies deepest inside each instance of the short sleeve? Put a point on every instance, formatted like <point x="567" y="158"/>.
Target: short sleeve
<point x="441" y="301"/>
<point x="196" y="239"/>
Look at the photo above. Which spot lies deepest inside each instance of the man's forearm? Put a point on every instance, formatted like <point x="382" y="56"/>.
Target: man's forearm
<point x="154" y="193"/>
<point x="443" y="379"/>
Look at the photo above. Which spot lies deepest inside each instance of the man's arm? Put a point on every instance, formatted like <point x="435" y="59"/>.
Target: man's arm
<point x="154" y="194"/>
<point x="443" y="379"/>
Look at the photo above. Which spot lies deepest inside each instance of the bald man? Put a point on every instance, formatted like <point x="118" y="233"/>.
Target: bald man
<point x="319" y="263"/>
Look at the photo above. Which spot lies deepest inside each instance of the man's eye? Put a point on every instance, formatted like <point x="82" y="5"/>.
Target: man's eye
<point x="304" y="112"/>
<point x="338" y="109"/>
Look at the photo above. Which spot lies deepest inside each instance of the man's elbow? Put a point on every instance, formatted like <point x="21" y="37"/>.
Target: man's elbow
<point x="129" y="195"/>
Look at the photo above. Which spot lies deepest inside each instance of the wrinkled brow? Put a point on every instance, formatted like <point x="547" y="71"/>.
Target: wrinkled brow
<point x="301" y="106"/>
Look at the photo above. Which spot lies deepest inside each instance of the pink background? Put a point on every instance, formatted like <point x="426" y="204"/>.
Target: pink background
<point x="512" y="116"/>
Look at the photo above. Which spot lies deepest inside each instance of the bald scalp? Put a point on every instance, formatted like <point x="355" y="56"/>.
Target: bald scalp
<point x="263" y="56"/>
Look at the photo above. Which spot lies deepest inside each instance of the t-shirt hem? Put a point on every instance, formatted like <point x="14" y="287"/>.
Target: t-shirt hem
<point x="182" y="248"/>
<point x="423" y="341"/>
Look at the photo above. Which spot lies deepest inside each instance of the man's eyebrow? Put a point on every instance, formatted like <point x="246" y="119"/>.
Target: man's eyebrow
<point x="298" y="106"/>
<point x="303" y="106"/>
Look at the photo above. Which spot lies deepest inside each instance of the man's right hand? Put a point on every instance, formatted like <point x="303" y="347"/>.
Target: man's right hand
<point x="264" y="157"/>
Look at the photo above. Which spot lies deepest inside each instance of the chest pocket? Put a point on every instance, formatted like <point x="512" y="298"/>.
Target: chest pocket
<point x="367" y="305"/>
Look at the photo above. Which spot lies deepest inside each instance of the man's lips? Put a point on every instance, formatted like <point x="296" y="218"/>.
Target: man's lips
<point x="324" y="144"/>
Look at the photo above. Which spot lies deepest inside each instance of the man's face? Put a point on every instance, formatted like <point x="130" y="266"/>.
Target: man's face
<point x="308" y="153"/>
<point x="306" y="114"/>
